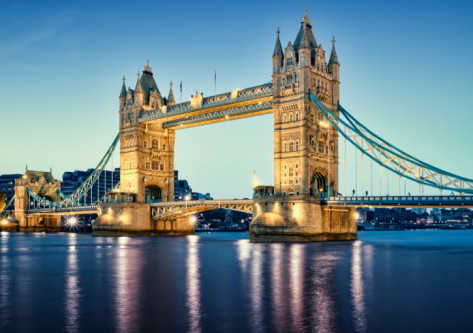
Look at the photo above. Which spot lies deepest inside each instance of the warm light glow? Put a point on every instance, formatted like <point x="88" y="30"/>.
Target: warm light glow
<point x="122" y="218"/>
<point x="193" y="219"/>
<point x="226" y="116"/>
<point x="324" y="123"/>
<point x="255" y="181"/>
<point x="4" y="221"/>
<point x="357" y="215"/>
<point x="72" y="221"/>
<point x="187" y="197"/>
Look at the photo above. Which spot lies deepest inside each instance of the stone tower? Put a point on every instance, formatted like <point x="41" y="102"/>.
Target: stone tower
<point x="305" y="145"/>
<point x="146" y="151"/>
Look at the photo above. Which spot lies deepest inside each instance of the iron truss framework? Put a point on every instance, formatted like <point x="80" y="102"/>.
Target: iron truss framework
<point x="9" y="205"/>
<point x="221" y="114"/>
<point x="74" y="198"/>
<point x="451" y="201"/>
<point x="163" y="210"/>
<point x="389" y="156"/>
<point x="263" y="90"/>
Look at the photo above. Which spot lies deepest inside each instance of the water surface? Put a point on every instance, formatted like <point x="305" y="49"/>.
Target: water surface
<point x="410" y="281"/>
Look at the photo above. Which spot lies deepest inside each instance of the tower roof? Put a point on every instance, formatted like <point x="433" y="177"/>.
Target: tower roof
<point x="278" y="48"/>
<point x="333" y="55"/>
<point x="123" y="91"/>
<point x="305" y="38"/>
<point x="171" y="100"/>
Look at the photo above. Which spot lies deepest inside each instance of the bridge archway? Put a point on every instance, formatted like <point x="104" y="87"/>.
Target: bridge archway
<point x="318" y="184"/>
<point x="153" y="193"/>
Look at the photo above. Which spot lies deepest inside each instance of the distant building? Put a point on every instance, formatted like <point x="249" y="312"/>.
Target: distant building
<point x="7" y="185"/>
<point x="71" y="181"/>
<point x="200" y="196"/>
<point x="182" y="190"/>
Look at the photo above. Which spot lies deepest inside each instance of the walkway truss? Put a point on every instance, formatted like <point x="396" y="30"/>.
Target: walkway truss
<point x="74" y="199"/>
<point x="390" y="157"/>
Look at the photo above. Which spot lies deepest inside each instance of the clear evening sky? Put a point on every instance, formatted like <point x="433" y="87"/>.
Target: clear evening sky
<point x="406" y="72"/>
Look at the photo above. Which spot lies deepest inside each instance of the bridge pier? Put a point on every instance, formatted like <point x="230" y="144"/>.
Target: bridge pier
<point x="300" y="219"/>
<point x="134" y="218"/>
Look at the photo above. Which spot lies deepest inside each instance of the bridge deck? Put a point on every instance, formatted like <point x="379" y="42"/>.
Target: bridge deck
<point x="430" y="201"/>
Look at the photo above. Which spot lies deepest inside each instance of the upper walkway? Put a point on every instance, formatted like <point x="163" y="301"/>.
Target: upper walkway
<point x="199" y="111"/>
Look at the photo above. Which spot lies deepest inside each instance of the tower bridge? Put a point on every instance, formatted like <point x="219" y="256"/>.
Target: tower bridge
<point x="309" y="125"/>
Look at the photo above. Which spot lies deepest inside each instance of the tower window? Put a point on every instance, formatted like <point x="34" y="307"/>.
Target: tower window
<point x="291" y="146"/>
<point x="145" y="144"/>
<point x="154" y="144"/>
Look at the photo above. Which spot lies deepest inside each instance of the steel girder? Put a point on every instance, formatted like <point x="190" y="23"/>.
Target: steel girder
<point x="391" y="157"/>
<point x="74" y="198"/>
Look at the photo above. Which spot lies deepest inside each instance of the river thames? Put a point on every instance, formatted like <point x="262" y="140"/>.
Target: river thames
<point x="389" y="281"/>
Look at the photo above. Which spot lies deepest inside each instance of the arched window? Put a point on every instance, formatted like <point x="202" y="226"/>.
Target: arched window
<point x="284" y="118"/>
<point x="285" y="147"/>
<point x="154" y="143"/>
<point x="164" y="146"/>
<point x="297" y="145"/>
<point x="145" y="144"/>
<point x="290" y="118"/>
<point x="291" y="146"/>
<point x="296" y="116"/>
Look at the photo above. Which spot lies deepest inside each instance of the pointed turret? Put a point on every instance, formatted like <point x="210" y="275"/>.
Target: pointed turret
<point x="171" y="100"/>
<point x="123" y="91"/>
<point x="305" y="38"/>
<point x="277" y="48"/>
<point x="278" y="55"/>
<point x="122" y="97"/>
<point x="333" y="55"/>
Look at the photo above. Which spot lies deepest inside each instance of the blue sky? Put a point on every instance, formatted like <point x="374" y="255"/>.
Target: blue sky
<point x="406" y="70"/>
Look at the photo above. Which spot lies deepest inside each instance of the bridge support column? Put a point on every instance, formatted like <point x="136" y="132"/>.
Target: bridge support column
<point x="134" y="218"/>
<point x="300" y="219"/>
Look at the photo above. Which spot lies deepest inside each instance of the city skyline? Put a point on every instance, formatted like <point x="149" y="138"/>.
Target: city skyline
<point x="399" y="85"/>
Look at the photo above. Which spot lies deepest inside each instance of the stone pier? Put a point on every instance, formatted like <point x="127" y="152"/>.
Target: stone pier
<point x="300" y="219"/>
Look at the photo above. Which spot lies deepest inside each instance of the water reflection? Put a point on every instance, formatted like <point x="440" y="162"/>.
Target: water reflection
<point x="244" y="250"/>
<point x="322" y="300"/>
<point x="127" y="285"/>
<point x="72" y="286"/>
<point x="193" y="283"/>
<point x="297" y="285"/>
<point x="4" y="289"/>
<point x="255" y="287"/>
<point x="357" y="287"/>
<point x="277" y="286"/>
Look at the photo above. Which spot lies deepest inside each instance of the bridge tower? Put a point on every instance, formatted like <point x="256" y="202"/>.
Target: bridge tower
<point x="305" y="147"/>
<point x="146" y="151"/>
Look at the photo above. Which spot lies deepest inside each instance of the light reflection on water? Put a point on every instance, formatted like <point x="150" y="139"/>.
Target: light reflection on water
<point x="296" y="279"/>
<point x="322" y="300"/>
<point x="72" y="289"/>
<point x="217" y="283"/>
<point x="193" y="283"/>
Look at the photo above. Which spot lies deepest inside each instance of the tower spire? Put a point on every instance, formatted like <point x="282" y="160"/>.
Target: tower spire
<point x="171" y="100"/>
<point x="333" y="55"/>
<point x="278" y="48"/>
<point x="123" y="91"/>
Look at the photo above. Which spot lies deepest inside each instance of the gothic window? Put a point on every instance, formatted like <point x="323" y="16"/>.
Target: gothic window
<point x="289" y="61"/>
<point x="290" y="118"/>
<point x="285" y="166"/>
<point x="164" y="146"/>
<point x="284" y="118"/>
<point x="291" y="146"/>
<point x="291" y="172"/>
<point x="285" y="147"/>
<point x="297" y="145"/>
<point x="162" y="167"/>
<point x="154" y="144"/>
<point x="297" y="165"/>
<point x="148" y="165"/>
<point x="321" y="149"/>
<point x="155" y="165"/>
<point x="145" y="144"/>
<point x="296" y="116"/>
